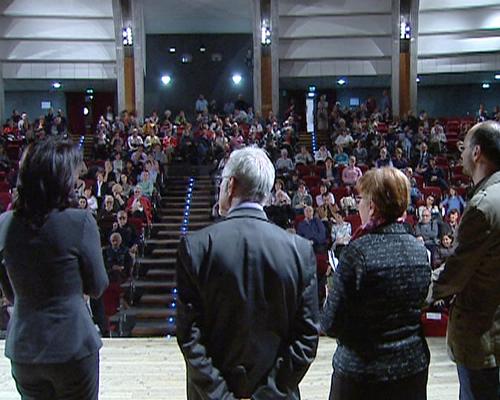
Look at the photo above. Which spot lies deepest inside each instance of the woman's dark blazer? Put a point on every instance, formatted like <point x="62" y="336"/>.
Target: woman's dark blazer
<point x="374" y="306"/>
<point x="45" y="272"/>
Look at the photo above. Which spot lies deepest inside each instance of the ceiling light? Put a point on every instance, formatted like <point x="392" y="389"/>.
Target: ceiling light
<point x="56" y="85"/>
<point x="486" y="85"/>
<point x="417" y="79"/>
<point x="341" y="81"/>
<point x="89" y="91"/>
<point x="166" y="79"/>
<point x="236" y="79"/>
<point x="85" y="111"/>
<point x="171" y="50"/>
<point x="202" y="49"/>
<point x="497" y="76"/>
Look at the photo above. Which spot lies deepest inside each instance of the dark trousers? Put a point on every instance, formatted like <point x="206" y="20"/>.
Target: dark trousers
<point x="73" y="380"/>
<point x="478" y="384"/>
<point x="411" y="388"/>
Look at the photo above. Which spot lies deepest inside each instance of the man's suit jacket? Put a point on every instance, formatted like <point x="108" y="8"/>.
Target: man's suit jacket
<point x="247" y="321"/>
<point x="45" y="272"/>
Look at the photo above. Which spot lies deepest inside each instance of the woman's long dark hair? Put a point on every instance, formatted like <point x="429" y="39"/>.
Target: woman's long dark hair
<point x="46" y="180"/>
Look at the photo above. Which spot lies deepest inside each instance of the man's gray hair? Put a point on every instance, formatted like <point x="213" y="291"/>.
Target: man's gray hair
<point x="254" y="172"/>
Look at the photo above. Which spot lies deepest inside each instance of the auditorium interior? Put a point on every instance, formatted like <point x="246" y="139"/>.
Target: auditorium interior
<point x="156" y="93"/>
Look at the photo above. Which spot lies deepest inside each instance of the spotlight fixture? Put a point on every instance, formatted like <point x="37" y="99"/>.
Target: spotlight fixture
<point x="89" y="91"/>
<point x="497" y="76"/>
<point x="86" y="111"/>
<point x="202" y="49"/>
<point x="312" y="88"/>
<point x="486" y="85"/>
<point x="166" y="79"/>
<point x="310" y="95"/>
<point x="341" y="81"/>
<point x="236" y="79"/>
<point x="417" y="79"/>
<point x="127" y="36"/>
<point x="171" y="50"/>
<point x="56" y="85"/>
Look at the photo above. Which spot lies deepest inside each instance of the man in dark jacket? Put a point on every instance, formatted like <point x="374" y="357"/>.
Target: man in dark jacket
<point x="247" y="320"/>
<point x="472" y="274"/>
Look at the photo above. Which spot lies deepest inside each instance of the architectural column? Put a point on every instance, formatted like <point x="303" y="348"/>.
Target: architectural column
<point x="266" y="56"/>
<point x="3" y="115"/>
<point x="257" y="84"/>
<point x="139" y="56"/>
<point x="414" y="7"/>
<point x="396" y="17"/>
<point x="408" y="56"/>
<point x="125" y="68"/>
<point x="266" y="72"/>
<point x="275" y="66"/>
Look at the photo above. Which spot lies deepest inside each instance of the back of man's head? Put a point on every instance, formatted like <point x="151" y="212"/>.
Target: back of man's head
<point x="487" y="136"/>
<point x="253" y="172"/>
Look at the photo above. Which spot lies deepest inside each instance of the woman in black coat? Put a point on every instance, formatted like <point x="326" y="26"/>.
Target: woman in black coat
<point x="374" y="306"/>
<point x="51" y="257"/>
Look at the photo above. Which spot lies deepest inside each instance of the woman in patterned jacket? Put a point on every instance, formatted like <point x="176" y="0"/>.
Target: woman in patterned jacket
<point x="373" y="308"/>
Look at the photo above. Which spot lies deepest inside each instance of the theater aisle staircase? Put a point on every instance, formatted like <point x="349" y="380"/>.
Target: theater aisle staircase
<point x="314" y="141"/>
<point x="155" y="308"/>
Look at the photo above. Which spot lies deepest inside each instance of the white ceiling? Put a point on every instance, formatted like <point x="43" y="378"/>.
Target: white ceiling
<point x="197" y="16"/>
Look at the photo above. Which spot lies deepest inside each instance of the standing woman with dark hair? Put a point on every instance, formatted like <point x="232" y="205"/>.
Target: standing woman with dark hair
<point x="51" y="257"/>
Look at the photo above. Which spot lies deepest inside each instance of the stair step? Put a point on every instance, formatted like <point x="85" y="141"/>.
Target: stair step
<point x="157" y="261"/>
<point x="150" y="312"/>
<point x="162" y="242"/>
<point x="144" y="284"/>
<point x="164" y="252"/>
<point x="158" y="328"/>
<point x="157" y="299"/>
<point x="178" y="218"/>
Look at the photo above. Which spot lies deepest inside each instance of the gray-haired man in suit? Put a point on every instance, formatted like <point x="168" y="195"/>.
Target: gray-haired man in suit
<point x="248" y="310"/>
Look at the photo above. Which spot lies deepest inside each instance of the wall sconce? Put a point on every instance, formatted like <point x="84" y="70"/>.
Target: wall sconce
<point x="265" y="38"/>
<point x="127" y="36"/>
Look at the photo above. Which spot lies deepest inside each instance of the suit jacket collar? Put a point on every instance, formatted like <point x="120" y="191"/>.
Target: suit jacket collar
<point x="245" y="212"/>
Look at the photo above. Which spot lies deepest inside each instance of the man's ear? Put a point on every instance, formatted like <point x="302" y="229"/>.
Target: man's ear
<point x="476" y="152"/>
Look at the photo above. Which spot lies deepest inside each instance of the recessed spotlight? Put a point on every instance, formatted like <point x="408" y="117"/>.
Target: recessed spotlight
<point x="486" y="85"/>
<point x="202" y="49"/>
<point x="56" y="85"/>
<point x="417" y="79"/>
<point x="497" y="76"/>
<point x="236" y="79"/>
<point x="171" y="50"/>
<point x="166" y="79"/>
<point x="341" y="81"/>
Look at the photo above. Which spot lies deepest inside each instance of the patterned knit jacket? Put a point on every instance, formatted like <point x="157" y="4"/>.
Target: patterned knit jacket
<point x="374" y="306"/>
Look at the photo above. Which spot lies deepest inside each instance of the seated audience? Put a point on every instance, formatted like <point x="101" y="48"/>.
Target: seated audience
<point x="313" y="229"/>
<point x="301" y="199"/>
<point x="351" y="173"/>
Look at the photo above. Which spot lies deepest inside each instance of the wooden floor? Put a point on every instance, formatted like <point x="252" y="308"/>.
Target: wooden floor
<point x="153" y="369"/>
